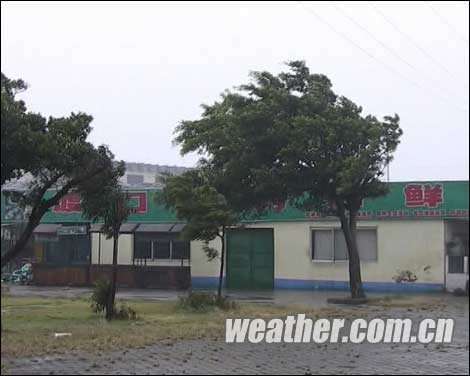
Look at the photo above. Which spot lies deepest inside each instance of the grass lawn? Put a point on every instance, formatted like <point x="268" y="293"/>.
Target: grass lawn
<point x="29" y="324"/>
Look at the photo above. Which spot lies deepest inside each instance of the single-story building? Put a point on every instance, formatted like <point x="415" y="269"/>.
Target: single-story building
<point x="413" y="239"/>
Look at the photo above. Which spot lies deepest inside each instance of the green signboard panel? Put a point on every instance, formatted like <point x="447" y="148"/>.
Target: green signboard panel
<point x="143" y="204"/>
<point x="405" y="200"/>
<point x="72" y="230"/>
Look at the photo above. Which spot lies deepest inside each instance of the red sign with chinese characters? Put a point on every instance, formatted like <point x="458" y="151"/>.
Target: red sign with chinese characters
<point x="138" y="202"/>
<point x="418" y="195"/>
<point x="405" y="200"/>
<point x="69" y="204"/>
<point x="278" y="207"/>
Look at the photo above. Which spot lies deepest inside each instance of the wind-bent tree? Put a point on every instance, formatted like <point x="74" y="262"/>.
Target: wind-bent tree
<point x="16" y="126"/>
<point x="290" y="137"/>
<point x="52" y="156"/>
<point x="109" y="205"/>
<point x="206" y="212"/>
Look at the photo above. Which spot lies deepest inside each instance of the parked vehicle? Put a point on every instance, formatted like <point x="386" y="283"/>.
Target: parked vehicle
<point x="22" y="276"/>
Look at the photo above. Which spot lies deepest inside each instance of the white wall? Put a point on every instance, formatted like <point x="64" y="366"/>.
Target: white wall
<point x="165" y="262"/>
<point x="95" y="239"/>
<point x="102" y="249"/>
<point x="415" y="245"/>
<point x="200" y="266"/>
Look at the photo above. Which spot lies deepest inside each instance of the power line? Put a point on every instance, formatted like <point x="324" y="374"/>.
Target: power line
<point x="384" y="45"/>
<point x="411" y="40"/>
<point x="371" y="56"/>
<point x="449" y="25"/>
<point x="345" y="36"/>
<point x="389" y="49"/>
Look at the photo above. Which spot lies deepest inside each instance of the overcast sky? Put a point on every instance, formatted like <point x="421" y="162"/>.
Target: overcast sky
<point x="140" y="68"/>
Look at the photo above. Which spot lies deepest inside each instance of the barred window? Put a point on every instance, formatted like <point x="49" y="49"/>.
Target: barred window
<point x="143" y="249"/>
<point x="161" y="249"/>
<point x="161" y="246"/>
<point x="180" y="249"/>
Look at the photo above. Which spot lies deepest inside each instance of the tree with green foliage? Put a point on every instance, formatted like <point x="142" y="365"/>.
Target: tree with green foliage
<point x="52" y="156"/>
<point x="17" y="126"/>
<point x="109" y="205"/>
<point x="290" y="137"/>
<point x="205" y="211"/>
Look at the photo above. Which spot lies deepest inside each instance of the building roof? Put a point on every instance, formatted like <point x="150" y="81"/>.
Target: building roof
<point x="24" y="182"/>
<point x="136" y="167"/>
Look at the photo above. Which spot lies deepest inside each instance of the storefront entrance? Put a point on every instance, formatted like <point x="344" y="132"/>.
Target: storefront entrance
<point x="250" y="258"/>
<point x="457" y="260"/>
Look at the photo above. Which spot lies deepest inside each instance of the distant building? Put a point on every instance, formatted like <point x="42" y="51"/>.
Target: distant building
<point x="143" y="175"/>
<point x="416" y="238"/>
<point x="147" y="175"/>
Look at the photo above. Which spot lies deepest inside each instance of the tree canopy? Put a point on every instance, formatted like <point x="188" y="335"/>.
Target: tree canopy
<point x="206" y="211"/>
<point x="198" y="203"/>
<point x="49" y="154"/>
<point x="18" y="128"/>
<point x="105" y="202"/>
<point x="290" y="136"/>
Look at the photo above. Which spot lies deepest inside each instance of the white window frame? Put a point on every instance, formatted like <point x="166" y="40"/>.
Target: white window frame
<point x="375" y="228"/>
<point x="312" y="231"/>
<point x="336" y="228"/>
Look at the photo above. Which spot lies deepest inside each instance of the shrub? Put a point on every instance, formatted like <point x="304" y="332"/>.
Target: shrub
<point x="99" y="299"/>
<point x="202" y="302"/>
<point x="100" y="294"/>
<point x="405" y="276"/>
<point x="125" y="312"/>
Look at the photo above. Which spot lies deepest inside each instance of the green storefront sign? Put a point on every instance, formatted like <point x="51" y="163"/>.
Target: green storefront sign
<point x="72" y="230"/>
<point x="405" y="200"/>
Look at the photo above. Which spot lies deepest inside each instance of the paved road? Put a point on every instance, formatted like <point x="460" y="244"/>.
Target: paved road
<point x="217" y="357"/>
<point x="206" y="357"/>
<point x="283" y="297"/>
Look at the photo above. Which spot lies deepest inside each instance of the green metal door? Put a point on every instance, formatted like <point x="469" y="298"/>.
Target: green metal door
<point x="250" y="258"/>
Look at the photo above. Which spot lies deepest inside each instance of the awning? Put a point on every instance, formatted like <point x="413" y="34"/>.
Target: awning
<point x="96" y="227"/>
<point x="178" y="227"/>
<point x="125" y="227"/>
<point x="128" y="227"/>
<point x="47" y="229"/>
<point x="154" y="227"/>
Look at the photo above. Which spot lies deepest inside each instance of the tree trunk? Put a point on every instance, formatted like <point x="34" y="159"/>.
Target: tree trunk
<point x="349" y="231"/>
<point x="112" y="292"/>
<point x="21" y="242"/>
<point x="40" y="208"/>
<point x="222" y="260"/>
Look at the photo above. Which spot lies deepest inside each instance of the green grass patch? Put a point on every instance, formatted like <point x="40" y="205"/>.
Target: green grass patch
<point x="29" y="323"/>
